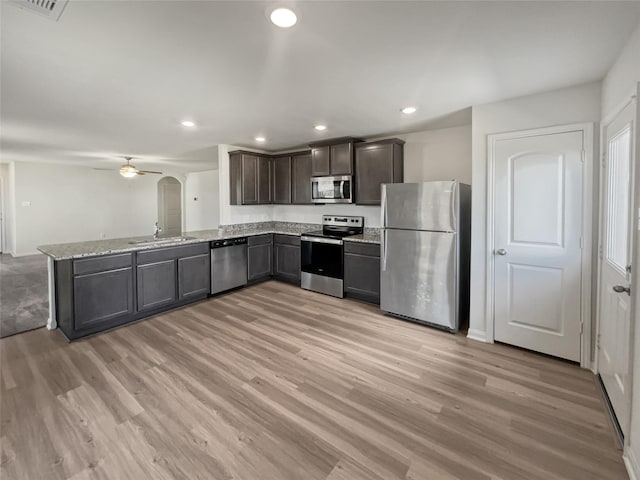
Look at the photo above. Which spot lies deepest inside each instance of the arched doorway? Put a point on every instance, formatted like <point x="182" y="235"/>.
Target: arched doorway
<point x="170" y="206"/>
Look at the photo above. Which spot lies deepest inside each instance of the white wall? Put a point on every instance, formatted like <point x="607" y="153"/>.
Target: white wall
<point x="569" y="105"/>
<point x="5" y="225"/>
<point x="58" y="204"/>
<point x="441" y="154"/>
<point x="313" y="213"/>
<point x="10" y="211"/>
<point x="623" y="76"/>
<point x="202" y="200"/>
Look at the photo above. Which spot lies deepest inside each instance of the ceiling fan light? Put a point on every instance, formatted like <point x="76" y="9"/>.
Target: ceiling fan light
<point x="128" y="171"/>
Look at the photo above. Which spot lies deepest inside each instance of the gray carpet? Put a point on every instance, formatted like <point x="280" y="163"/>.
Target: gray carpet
<point x="24" y="295"/>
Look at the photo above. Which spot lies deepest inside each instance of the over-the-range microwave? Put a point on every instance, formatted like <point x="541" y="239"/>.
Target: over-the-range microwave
<point x="332" y="189"/>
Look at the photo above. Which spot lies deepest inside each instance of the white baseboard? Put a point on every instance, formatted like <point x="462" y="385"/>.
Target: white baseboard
<point x="477" y="335"/>
<point x="633" y="467"/>
<point x="27" y="254"/>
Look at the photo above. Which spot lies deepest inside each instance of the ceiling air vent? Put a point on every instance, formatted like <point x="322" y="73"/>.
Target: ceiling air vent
<point x="46" y="8"/>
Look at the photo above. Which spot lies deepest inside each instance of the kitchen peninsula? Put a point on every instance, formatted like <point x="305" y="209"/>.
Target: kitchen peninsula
<point x="98" y="285"/>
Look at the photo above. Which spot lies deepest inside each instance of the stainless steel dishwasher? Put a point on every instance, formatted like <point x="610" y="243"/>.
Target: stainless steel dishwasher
<point x="228" y="264"/>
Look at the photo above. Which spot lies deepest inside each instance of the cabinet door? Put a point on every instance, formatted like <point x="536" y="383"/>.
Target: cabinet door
<point x="362" y="277"/>
<point x="374" y="166"/>
<point x="282" y="180"/>
<point x="193" y="276"/>
<point x="259" y="263"/>
<point x="102" y="296"/>
<point x="286" y="264"/>
<point x="249" y="179"/>
<point x="342" y="159"/>
<point x="264" y="180"/>
<point x="301" y="179"/>
<point x="320" y="164"/>
<point x="156" y="284"/>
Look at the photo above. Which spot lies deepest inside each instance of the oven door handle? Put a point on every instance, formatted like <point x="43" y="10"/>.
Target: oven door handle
<point x="331" y="241"/>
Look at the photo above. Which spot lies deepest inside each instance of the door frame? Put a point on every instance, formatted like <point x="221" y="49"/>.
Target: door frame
<point x="587" y="130"/>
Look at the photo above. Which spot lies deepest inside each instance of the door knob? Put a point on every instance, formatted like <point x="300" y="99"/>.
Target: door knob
<point x="501" y="251"/>
<point x="621" y="289"/>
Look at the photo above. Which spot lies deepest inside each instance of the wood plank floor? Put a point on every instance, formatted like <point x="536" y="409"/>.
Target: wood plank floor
<point x="274" y="382"/>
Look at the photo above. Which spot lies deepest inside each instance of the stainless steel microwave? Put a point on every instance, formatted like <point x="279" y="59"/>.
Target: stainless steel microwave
<point x="332" y="189"/>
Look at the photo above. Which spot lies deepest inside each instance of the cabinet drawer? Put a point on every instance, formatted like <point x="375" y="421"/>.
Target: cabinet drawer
<point x="171" y="253"/>
<point x="286" y="239"/>
<point x="260" y="239"/>
<point x="99" y="264"/>
<point x="371" y="249"/>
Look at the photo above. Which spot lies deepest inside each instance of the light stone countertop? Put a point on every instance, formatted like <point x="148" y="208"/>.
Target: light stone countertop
<point x="370" y="235"/>
<point x="65" y="251"/>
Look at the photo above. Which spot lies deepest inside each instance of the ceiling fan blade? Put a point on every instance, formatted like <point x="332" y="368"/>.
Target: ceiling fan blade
<point x="149" y="171"/>
<point x="105" y="169"/>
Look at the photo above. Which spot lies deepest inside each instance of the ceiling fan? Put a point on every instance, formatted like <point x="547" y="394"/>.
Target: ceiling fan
<point x="127" y="170"/>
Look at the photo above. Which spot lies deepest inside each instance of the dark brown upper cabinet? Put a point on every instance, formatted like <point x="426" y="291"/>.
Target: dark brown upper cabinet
<point x="281" y="180"/>
<point x="249" y="178"/>
<point x="377" y="163"/>
<point x="332" y="157"/>
<point x="320" y="164"/>
<point x="301" y="178"/>
<point x="263" y="180"/>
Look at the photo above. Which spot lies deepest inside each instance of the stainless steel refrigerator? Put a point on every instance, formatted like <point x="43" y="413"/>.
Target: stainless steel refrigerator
<point x="425" y="252"/>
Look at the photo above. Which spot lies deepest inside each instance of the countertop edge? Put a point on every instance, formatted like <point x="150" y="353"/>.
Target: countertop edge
<point x="368" y="238"/>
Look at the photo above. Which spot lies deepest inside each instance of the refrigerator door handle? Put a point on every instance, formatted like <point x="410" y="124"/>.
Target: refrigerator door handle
<point x="383" y="202"/>
<point x="454" y="205"/>
<point x="384" y="250"/>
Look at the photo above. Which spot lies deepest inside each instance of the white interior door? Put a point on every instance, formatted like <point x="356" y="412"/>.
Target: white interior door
<point x="538" y="245"/>
<point x="614" y="339"/>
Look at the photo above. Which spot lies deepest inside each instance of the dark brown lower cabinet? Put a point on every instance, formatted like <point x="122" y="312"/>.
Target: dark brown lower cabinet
<point x="194" y="276"/>
<point x="101" y="297"/>
<point x="286" y="258"/>
<point x="362" y="271"/>
<point x="157" y="284"/>
<point x="259" y="257"/>
<point x="94" y="294"/>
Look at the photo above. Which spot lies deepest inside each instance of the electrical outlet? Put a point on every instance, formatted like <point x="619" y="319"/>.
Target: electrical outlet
<point x="26" y="203"/>
<point x="103" y="235"/>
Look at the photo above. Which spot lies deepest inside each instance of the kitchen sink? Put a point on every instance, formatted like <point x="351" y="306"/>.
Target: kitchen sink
<point x="160" y="240"/>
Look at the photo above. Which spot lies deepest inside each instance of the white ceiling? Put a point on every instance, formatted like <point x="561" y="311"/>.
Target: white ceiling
<point x="116" y="77"/>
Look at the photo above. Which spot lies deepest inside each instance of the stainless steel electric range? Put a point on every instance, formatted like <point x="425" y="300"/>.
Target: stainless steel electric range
<point x="322" y="254"/>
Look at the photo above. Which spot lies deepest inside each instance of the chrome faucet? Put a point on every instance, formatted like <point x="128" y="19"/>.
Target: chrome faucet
<point x="156" y="231"/>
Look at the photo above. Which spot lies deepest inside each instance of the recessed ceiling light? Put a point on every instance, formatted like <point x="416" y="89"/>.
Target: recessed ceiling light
<point x="283" y="17"/>
<point x="320" y="127"/>
<point x="409" y="110"/>
<point x="188" y="123"/>
<point x="260" y="139"/>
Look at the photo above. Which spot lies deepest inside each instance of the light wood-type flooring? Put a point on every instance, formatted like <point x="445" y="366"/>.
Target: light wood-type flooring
<point x="274" y="382"/>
